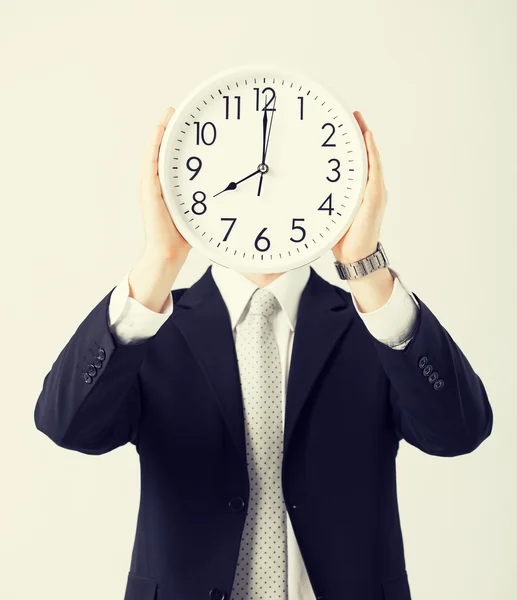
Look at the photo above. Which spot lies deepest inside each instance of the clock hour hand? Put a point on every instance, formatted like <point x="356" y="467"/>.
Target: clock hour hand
<point x="233" y="184"/>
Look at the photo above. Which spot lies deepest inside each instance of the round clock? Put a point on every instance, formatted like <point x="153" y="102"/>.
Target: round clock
<point x="262" y="169"/>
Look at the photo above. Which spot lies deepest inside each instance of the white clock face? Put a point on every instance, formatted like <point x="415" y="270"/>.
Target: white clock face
<point x="262" y="170"/>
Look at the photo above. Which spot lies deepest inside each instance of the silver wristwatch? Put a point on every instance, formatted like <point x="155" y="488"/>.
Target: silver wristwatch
<point x="363" y="266"/>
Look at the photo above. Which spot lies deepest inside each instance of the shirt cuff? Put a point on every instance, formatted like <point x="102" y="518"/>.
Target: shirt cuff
<point x="132" y="322"/>
<point x="394" y="322"/>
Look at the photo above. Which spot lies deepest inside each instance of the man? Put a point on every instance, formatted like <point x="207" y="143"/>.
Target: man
<point x="267" y="458"/>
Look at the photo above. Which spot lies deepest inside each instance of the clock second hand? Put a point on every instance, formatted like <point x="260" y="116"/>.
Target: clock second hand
<point x="233" y="184"/>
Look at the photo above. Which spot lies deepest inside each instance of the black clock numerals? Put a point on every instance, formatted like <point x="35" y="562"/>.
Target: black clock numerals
<point x="227" y="106"/>
<point x="205" y="133"/>
<point x="301" y="99"/>
<point x="330" y="208"/>
<point x="266" y="91"/>
<point x="195" y="169"/>
<point x="334" y="170"/>
<point x="199" y="206"/>
<point x="326" y="142"/>
<point x="294" y="226"/>
<point x="262" y="237"/>
<point x="233" y="219"/>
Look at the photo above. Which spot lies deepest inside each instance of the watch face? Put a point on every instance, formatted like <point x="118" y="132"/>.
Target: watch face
<point x="262" y="170"/>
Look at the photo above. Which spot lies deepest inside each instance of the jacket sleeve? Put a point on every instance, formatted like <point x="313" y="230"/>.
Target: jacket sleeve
<point x="439" y="403"/>
<point x="91" y="398"/>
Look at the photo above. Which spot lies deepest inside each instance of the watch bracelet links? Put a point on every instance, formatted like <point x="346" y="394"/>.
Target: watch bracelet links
<point x="363" y="266"/>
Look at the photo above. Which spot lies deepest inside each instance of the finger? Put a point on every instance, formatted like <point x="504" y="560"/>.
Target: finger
<point x="167" y="115"/>
<point x="151" y="157"/>
<point x="374" y="159"/>
<point x="375" y="167"/>
<point x="361" y="122"/>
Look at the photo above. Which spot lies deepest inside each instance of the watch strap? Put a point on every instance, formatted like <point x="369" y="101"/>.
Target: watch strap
<point x="364" y="266"/>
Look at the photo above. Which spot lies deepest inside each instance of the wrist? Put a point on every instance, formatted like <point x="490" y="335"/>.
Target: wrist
<point x="372" y="291"/>
<point x="151" y="279"/>
<point x="353" y="255"/>
<point x="163" y="258"/>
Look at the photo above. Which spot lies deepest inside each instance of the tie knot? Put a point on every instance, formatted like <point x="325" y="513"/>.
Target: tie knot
<point x="263" y="302"/>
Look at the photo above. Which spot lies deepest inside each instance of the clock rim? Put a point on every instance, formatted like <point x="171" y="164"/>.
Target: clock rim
<point x="172" y="206"/>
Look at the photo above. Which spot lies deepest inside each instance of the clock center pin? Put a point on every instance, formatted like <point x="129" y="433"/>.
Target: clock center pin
<point x="263" y="168"/>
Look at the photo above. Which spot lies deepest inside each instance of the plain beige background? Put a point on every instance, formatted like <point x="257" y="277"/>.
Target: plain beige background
<point x="82" y="85"/>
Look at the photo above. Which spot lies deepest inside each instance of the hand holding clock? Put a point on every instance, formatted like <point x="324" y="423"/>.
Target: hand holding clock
<point x="165" y="250"/>
<point x="362" y="236"/>
<point x="360" y="240"/>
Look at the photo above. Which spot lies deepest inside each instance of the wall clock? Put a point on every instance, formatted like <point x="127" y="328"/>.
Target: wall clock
<point x="262" y="169"/>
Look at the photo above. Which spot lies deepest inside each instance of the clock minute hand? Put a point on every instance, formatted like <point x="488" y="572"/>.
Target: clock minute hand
<point x="264" y="136"/>
<point x="233" y="184"/>
<point x="265" y="143"/>
<point x="269" y="132"/>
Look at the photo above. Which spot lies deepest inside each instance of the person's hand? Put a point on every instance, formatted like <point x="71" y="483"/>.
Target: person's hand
<point x="162" y="239"/>
<point x="362" y="236"/>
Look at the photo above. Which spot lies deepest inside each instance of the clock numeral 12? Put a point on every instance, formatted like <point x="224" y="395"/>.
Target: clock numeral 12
<point x="266" y="105"/>
<point x="227" y="102"/>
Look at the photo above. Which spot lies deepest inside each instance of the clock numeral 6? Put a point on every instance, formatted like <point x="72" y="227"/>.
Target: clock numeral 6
<point x="205" y="132"/>
<point x="329" y="207"/>
<point x="195" y="169"/>
<point x="334" y="170"/>
<point x="227" y="101"/>
<point x="199" y="205"/>
<point x="262" y="237"/>
<point x="300" y="228"/>
<point x="326" y="142"/>
<point x="268" y="102"/>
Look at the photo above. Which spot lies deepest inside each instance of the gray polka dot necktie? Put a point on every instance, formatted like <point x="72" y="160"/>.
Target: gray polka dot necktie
<point x="261" y="572"/>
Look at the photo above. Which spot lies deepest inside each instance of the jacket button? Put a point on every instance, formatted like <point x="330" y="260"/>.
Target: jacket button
<point x="438" y="385"/>
<point x="427" y="370"/>
<point x="101" y="354"/>
<point x="236" y="504"/>
<point x="422" y="362"/>
<point x="92" y="371"/>
<point x="97" y="362"/>
<point x="217" y="594"/>
<point x="87" y="378"/>
<point x="433" y="377"/>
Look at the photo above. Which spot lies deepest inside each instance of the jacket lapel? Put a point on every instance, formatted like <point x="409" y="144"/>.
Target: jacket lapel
<point x="202" y="317"/>
<point x="324" y="315"/>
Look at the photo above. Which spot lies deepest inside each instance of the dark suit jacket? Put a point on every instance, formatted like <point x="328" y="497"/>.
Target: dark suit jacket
<point x="350" y="400"/>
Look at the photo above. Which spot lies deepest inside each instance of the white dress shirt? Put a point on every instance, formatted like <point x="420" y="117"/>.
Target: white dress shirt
<point x="392" y="324"/>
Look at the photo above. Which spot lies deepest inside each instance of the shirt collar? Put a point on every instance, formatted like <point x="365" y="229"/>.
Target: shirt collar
<point x="236" y="290"/>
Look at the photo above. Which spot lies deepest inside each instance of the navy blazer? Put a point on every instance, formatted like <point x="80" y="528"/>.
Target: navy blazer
<point x="350" y="400"/>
